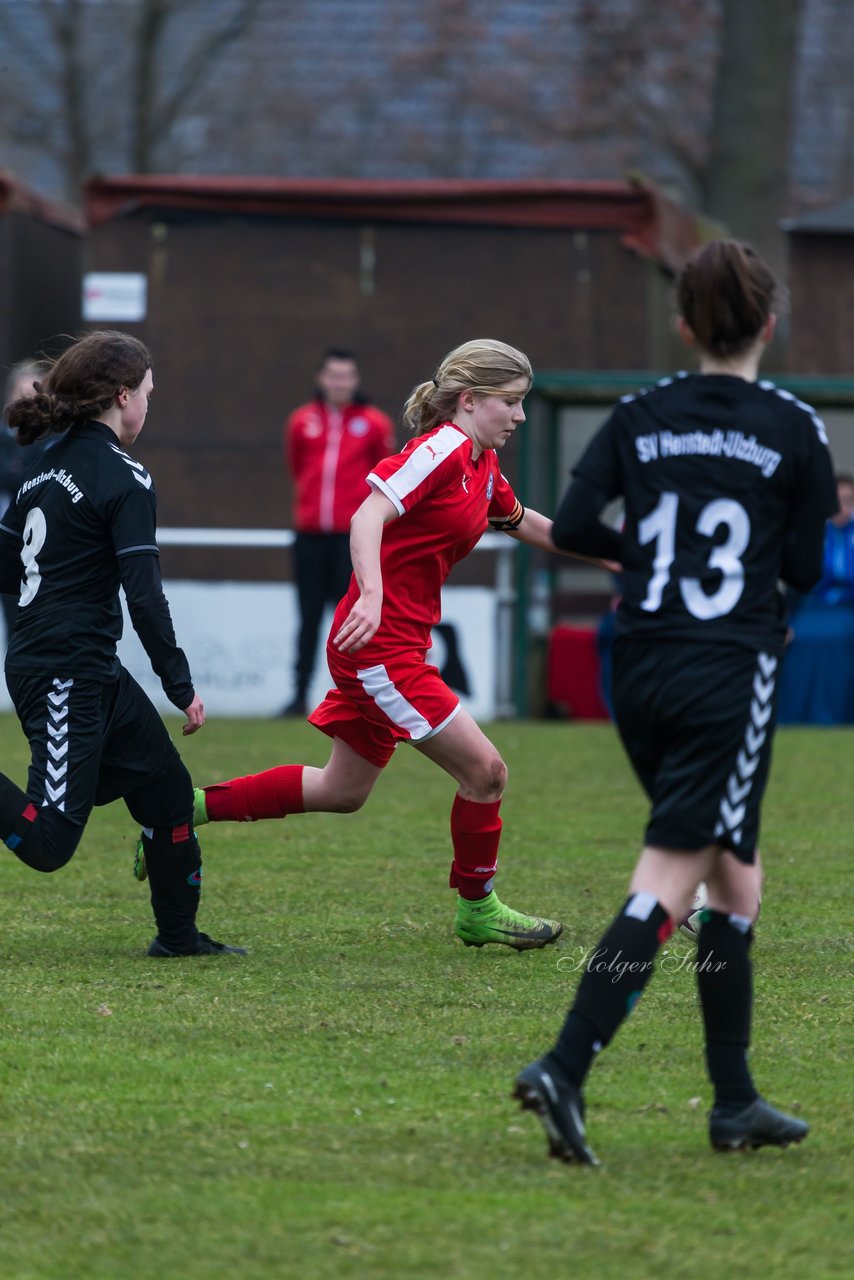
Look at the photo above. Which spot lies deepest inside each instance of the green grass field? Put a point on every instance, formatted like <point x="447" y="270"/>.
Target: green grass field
<point x="337" y="1104"/>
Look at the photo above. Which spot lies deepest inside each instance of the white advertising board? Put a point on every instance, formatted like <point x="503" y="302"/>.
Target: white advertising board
<point x="240" y="639"/>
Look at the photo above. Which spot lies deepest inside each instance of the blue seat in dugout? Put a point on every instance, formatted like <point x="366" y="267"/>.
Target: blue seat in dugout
<point x="817" y="677"/>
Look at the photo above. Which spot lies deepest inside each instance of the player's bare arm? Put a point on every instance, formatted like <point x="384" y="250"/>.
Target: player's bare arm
<point x="366" y="534"/>
<point x="536" y="530"/>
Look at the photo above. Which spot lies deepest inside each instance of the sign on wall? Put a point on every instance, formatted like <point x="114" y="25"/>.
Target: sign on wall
<point x="115" y="295"/>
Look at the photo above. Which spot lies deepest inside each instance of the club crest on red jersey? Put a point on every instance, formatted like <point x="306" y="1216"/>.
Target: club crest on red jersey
<point x="490" y="485"/>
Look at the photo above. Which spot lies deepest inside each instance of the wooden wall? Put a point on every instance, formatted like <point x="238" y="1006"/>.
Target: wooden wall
<point x="241" y="308"/>
<point x="821" y="286"/>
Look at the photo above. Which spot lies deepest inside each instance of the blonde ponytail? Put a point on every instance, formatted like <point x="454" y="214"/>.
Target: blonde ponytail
<point x="483" y="366"/>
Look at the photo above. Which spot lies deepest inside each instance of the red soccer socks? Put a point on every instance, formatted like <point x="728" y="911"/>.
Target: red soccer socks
<point x="475" y="833"/>
<point x="272" y="794"/>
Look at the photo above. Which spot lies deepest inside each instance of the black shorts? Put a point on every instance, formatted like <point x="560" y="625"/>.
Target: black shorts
<point x="93" y="741"/>
<point x="697" y="721"/>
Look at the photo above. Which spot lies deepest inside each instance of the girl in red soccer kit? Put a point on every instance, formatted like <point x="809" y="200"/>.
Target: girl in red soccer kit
<point x="428" y="508"/>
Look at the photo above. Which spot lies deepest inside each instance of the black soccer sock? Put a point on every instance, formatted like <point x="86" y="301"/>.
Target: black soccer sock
<point x="615" y="974"/>
<point x="725" y="984"/>
<point x="174" y="862"/>
<point x="17" y="816"/>
<point x="43" y="839"/>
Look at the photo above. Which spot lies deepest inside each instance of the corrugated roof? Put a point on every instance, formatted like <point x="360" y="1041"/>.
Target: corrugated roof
<point x="648" y="222"/>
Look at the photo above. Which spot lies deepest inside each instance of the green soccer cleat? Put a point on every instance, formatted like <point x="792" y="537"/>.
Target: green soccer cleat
<point x="140" y="870"/>
<point x="200" y="813"/>
<point x="488" y="920"/>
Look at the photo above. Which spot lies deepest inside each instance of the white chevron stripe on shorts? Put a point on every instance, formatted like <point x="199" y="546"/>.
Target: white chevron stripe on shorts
<point x="56" y="778"/>
<point x="740" y="782"/>
<point x="378" y="685"/>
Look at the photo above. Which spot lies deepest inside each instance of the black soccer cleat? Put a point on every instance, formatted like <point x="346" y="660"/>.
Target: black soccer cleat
<point x="205" y="946"/>
<point x="759" y="1125"/>
<point x="543" y="1088"/>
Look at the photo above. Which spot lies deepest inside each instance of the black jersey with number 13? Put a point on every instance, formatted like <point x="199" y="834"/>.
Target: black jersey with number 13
<point x="714" y="471"/>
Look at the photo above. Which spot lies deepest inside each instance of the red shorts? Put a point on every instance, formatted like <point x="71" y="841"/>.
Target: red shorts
<point x="375" y="707"/>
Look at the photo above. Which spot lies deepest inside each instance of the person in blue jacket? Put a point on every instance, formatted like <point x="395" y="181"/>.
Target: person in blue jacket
<point x="817" y="680"/>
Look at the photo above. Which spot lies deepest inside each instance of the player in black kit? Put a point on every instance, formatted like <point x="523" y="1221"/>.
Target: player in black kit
<point x="727" y="482"/>
<point x="81" y="525"/>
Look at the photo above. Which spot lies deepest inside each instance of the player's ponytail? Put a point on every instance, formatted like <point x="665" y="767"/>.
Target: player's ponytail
<point x="726" y="293"/>
<point x="483" y="366"/>
<point x="427" y="407"/>
<point x="39" y="415"/>
<point x="82" y="384"/>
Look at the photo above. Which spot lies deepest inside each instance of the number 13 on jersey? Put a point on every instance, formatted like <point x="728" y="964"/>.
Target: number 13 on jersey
<point x="659" y="527"/>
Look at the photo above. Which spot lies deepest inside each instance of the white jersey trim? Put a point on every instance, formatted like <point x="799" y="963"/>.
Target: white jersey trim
<point x="329" y="472"/>
<point x="644" y="391"/>
<point x="139" y="472"/>
<point x="764" y="383"/>
<point x="144" y="546"/>
<point x="422" y="461"/>
<point x="440" y="727"/>
<point x="384" y="489"/>
<point x="821" y="431"/>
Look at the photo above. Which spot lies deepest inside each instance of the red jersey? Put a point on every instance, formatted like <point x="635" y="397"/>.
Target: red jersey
<point x="329" y="453"/>
<point x="444" y="500"/>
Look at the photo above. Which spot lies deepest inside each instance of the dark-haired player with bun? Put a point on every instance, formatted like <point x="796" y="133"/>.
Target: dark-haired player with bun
<point x="727" y="482"/>
<point x="81" y="525"/>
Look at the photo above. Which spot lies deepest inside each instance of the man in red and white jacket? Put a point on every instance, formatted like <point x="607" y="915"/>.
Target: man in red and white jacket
<point x="331" y="444"/>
